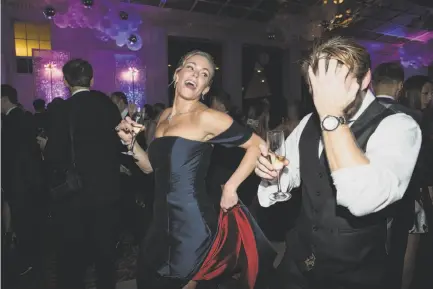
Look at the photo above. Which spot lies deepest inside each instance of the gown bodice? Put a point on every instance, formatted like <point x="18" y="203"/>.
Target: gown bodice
<point x="184" y="221"/>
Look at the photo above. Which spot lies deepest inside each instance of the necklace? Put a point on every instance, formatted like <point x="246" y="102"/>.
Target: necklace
<point x="170" y="116"/>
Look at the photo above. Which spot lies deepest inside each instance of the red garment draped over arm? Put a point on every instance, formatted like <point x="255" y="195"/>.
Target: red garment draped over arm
<point x="234" y="250"/>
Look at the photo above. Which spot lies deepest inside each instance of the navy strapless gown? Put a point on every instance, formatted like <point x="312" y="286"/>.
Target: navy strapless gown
<point x="185" y="224"/>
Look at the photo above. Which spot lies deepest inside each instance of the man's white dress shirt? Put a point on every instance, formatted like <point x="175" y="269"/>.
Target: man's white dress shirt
<point x="392" y="151"/>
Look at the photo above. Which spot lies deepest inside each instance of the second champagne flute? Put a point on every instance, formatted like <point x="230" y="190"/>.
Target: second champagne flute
<point x="277" y="153"/>
<point x="138" y="118"/>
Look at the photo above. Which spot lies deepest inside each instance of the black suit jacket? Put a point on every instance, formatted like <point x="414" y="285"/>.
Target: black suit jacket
<point x="21" y="158"/>
<point x="394" y="105"/>
<point x="93" y="117"/>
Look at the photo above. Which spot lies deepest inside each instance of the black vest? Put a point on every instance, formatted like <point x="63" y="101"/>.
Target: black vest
<point x="338" y="239"/>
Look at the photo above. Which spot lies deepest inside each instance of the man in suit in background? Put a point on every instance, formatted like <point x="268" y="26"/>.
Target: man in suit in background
<point x="89" y="218"/>
<point x="40" y="116"/>
<point x="21" y="177"/>
<point x="121" y="101"/>
<point x="387" y="82"/>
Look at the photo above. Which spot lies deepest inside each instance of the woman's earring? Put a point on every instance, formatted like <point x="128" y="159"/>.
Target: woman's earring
<point x="202" y="96"/>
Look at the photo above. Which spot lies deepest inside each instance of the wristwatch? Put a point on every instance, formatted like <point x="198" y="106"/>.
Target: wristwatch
<point x="331" y="122"/>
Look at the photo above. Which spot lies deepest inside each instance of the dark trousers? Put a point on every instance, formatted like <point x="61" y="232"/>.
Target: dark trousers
<point x="291" y="274"/>
<point x="398" y="244"/>
<point x="27" y="220"/>
<point x="87" y="236"/>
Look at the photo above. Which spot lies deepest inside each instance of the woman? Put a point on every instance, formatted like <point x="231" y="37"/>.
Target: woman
<point x="417" y="95"/>
<point x="183" y="246"/>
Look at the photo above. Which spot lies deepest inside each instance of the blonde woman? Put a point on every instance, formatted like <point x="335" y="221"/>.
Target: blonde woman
<point x="187" y="244"/>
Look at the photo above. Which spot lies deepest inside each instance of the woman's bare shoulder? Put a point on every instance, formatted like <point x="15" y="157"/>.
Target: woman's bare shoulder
<point x="165" y="114"/>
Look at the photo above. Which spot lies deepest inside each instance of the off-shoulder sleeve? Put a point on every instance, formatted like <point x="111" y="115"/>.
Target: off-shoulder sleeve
<point x="234" y="136"/>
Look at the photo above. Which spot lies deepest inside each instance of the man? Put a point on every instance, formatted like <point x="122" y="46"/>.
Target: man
<point x="353" y="164"/>
<point x="89" y="218"/>
<point x="387" y="83"/>
<point x="121" y="101"/>
<point x="40" y="116"/>
<point x="21" y="177"/>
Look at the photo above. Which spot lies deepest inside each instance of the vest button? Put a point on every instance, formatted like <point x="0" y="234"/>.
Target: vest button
<point x="317" y="193"/>
<point x="320" y="175"/>
<point x="315" y="228"/>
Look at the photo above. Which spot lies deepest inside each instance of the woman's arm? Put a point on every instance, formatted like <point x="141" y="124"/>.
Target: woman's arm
<point x="142" y="159"/>
<point x="124" y="130"/>
<point x="215" y="123"/>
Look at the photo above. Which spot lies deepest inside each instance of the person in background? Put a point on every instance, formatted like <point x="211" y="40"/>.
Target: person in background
<point x="121" y="101"/>
<point x="257" y="117"/>
<point x="387" y="83"/>
<point x="40" y="116"/>
<point x="157" y="110"/>
<point x="88" y="219"/>
<point x="417" y="96"/>
<point x="21" y="176"/>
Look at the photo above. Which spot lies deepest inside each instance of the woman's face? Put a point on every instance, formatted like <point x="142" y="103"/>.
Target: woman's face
<point x="426" y="94"/>
<point x="192" y="79"/>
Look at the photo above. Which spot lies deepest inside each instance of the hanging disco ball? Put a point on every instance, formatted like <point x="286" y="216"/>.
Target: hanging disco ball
<point x="87" y="3"/>
<point x="123" y="15"/>
<point x="49" y="12"/>
<point x="132" y="39"/>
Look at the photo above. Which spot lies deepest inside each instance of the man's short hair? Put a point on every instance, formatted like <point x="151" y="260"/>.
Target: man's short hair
<point x="39" y="104"/>
<point x="119" y="96"/>
<point x="346" y="51"/>
<point x="10" y="92"/>
<point x="78" y="73"/>
<point x="388" y="73"/>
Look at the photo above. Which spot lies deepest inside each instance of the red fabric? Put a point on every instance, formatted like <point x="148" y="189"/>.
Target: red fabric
<point x="235" y="236"/>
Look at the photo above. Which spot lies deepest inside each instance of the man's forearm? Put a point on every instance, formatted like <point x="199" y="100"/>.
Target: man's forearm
<point x="342" y="150"/>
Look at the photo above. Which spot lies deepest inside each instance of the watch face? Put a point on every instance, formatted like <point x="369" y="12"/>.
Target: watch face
<point x="330" y="123"/>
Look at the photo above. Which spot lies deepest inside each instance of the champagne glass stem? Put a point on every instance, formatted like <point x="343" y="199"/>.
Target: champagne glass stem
<point x="131" y="147"/>
<point x="278" y="182"/>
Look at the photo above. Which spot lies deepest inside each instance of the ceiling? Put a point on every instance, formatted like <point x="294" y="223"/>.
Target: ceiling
<point x="390" y="21"/>
<point x="394" y="22"/>
<point x="256" y="10"/>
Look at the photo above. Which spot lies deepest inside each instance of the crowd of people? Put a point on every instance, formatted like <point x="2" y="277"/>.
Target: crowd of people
<point x="191" y="183"/>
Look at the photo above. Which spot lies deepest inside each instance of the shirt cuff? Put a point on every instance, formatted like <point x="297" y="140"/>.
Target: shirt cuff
<point x="266" y="188"/>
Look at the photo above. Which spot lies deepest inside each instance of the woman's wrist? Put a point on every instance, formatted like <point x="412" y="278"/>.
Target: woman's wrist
<point x="230" y="188"/>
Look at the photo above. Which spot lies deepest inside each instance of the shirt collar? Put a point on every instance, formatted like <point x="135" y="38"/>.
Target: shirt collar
<point x="124" y="113"/>
<point x="10" y="109"/>
<point x="385" y="96"/>
<point x="80" y="90"/>
<point x="368" y="99"/>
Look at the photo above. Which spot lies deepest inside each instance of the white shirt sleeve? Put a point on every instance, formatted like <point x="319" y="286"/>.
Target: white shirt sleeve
<point x="393" y="151"/>
<point x="290" y="177"/>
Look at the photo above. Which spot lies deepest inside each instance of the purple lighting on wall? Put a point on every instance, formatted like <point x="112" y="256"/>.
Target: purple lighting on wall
<point x="131" y="78"/>
<point x="47" y="73"/>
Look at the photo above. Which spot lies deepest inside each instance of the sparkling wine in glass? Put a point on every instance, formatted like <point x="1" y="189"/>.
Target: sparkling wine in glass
<point x="138" y="117"/>
<point x="277" y="153"/>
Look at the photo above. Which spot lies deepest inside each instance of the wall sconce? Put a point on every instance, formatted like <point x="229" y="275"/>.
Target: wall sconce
<point x="49" y="67"/>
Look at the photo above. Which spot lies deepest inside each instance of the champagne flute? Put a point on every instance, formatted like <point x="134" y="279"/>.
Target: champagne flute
<point x="138" y="117"/>
<point x="277" y="155"/>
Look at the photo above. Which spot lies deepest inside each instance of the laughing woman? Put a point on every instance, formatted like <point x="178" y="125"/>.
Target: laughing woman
<point x="188" y="245"/>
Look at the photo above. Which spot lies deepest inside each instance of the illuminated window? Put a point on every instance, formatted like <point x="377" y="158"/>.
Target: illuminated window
<point x="30" y="36"/>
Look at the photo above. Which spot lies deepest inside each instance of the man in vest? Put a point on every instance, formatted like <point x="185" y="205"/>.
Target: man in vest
<point x="351" y="162"/>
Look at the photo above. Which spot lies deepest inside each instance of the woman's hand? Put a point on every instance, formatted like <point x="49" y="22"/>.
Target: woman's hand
<point x="229" y="198"/>
<point x="127" y="128"/>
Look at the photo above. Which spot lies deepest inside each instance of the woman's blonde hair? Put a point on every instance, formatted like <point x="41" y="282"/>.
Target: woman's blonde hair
<point x="194" y="53"/>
